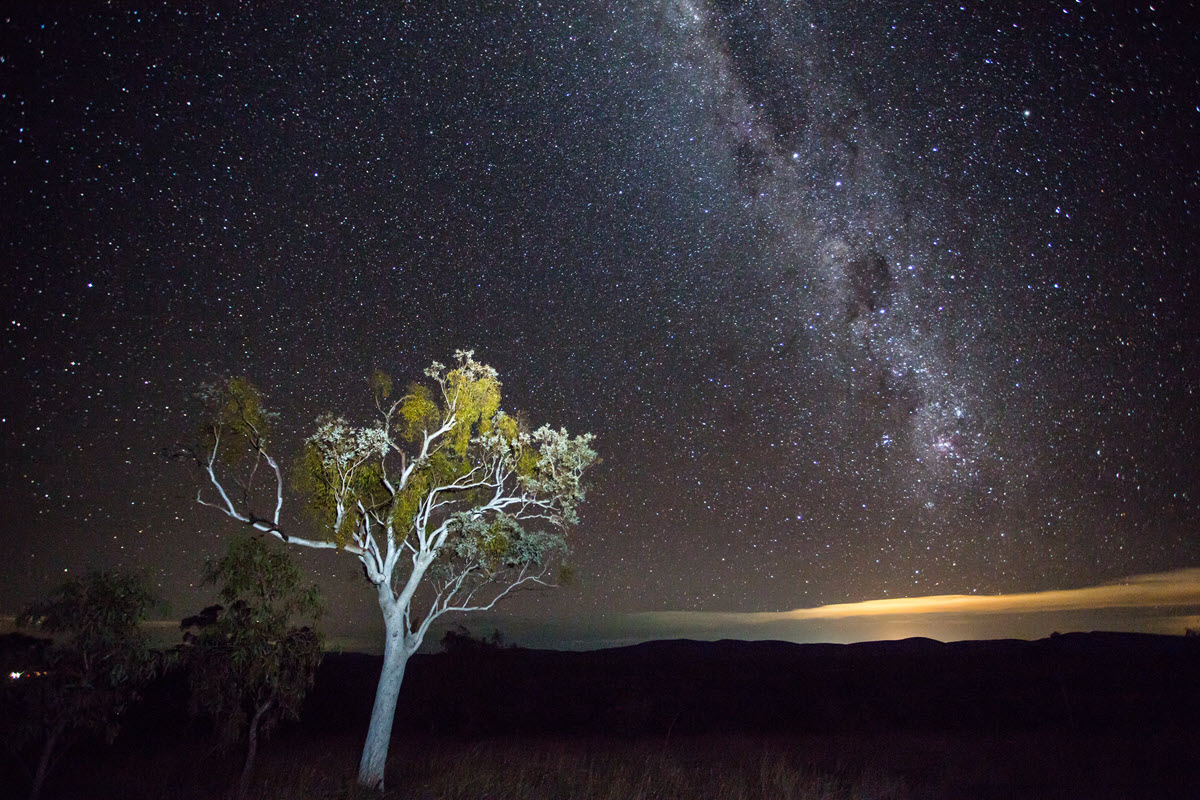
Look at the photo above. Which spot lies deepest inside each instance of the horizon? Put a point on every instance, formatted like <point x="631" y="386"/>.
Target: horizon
<point x="1159" y="604"/>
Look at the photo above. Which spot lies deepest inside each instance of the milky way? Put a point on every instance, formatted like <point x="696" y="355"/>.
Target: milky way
<point x="864" y="304"/>
<point x="814" y="174"/>
<point x="928" y="392"/>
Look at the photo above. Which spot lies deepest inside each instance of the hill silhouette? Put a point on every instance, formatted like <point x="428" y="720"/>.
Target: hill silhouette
<point x="1078" y="682"/>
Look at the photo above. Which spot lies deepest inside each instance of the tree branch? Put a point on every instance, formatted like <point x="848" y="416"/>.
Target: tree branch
<point x="258" y="523"/>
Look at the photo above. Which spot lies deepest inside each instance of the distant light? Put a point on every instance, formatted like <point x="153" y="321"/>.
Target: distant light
<point x="14" y="675"/>
<point x="1026" y="113"/>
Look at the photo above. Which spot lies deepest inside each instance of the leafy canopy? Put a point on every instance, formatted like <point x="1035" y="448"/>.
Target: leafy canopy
<point x="236" y="417"/>
<point x="250" y="654"/>
<point x="99" y="661"/>
<point x="95" y="620"/>
<point x="456" y="449"/>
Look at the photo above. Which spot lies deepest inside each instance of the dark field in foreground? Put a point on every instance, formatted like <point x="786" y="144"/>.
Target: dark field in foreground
<point x="1096" y="715"/>
<point x="721" y="767"/>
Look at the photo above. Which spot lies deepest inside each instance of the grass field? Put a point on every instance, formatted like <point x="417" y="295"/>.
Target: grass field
<point x="726" y="767"/>
<point x="1076" y="716"/>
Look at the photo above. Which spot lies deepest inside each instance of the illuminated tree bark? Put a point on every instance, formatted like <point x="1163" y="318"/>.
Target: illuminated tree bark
<point x="379" y="732"/>
<point x="448" y="502"/>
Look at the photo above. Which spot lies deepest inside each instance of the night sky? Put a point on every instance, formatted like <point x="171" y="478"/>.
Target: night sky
<point x="861" y="304"/>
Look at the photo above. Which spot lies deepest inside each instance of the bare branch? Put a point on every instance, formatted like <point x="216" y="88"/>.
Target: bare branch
<point x="466" y="608"/>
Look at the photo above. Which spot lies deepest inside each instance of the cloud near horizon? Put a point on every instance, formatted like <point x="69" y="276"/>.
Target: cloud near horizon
<point x="1176" y="588"/>
<point x="1158" y="602"/>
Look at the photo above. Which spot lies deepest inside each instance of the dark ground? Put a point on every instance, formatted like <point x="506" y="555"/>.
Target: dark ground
<point x="1078" y="715"/>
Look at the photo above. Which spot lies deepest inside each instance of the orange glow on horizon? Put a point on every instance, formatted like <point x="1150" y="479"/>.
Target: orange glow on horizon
<point x="1178" y="588"/>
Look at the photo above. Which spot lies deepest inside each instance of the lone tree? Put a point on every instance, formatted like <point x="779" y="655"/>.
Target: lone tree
<point x="249" y="665"/>
<point x="448" y="502"/>
<point x="95" y="669"/>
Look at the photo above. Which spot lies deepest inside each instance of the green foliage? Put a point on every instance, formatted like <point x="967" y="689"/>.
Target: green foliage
<point x="316" y="485"/>
<point x="558" y="471"/>
<point x="566" y="575"/>
<point x="509" y="435"/>
<point x="527" y="463"/>
<point x="507" y="427"/>
<point x="498" y="542"/>
<point x="340" y="472"/>
<point x="381" y="384"/>
<point x="96" y="618"/>
<point x="473" y="391"/>
<point x="365" y="486"/>
<point x="251" y="656"/>
<point x="244" y="405"/>
<point x="437" y="470"/>
<point x="235" y="412"/>
<point x="444" y="469"/>
<point x="419" y="414"/>
<point x="98" y="663"/>
<point x="408" y="501"/>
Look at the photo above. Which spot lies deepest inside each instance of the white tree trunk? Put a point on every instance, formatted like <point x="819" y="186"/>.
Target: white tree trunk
<point x="379" y="733"/>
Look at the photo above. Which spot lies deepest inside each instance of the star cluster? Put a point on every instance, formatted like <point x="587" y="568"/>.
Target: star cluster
<point x="860" y="304"/>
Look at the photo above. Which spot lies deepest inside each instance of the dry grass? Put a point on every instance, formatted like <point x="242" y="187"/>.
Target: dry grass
<point x="726" y="768"/>
<point x="303" y="766"/>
